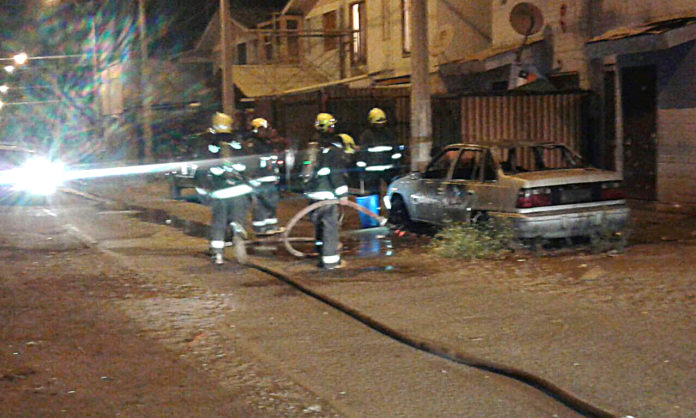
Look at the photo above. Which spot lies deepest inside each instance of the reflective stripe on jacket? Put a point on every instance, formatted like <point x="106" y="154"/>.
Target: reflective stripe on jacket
<point x="328" y="180"/>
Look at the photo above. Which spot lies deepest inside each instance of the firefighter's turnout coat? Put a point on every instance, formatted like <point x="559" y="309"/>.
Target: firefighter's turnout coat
<point x="222" y="183"/>
<point x="327" y="182"/>
<point x="264" y="171"/>
<point x="379" y="157"/>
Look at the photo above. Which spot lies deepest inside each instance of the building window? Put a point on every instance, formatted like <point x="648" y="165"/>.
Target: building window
<point x="358" y="38"/>
<point x="329" y="27"/>
<point x="242" y="54"/>
<point x="406" y="25"/>
<point x="293" y="47"/>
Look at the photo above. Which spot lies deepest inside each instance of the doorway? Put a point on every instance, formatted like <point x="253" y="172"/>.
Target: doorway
<point x="639" y="106"/>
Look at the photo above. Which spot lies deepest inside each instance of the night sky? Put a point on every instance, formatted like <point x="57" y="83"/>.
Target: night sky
<point x="173" y="25"/>
<point x="181" y="22"/>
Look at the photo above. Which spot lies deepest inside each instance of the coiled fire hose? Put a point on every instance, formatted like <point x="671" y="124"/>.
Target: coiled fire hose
<point x="301" y="214"/>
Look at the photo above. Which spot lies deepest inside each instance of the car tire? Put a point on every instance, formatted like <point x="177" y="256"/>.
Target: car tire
<point x="398" y="214"/>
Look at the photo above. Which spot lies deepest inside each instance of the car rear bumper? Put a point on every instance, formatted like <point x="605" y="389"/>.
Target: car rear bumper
<point x="572" y="223"/>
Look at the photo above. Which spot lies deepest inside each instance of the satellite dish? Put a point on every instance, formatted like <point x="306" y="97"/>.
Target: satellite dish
<point x="526" y="19"/>
<point x="442" y="40"/>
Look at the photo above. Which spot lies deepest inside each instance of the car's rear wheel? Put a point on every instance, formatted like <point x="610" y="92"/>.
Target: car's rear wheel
<point x="398" y="214"/>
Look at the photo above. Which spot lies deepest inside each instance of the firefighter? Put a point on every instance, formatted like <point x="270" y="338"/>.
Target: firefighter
<point x="326" y="182"/>
<point x="222" y="185"/>
<point x="348" y="142"/>
<point x="380" y="156"/>
<point x="264" y="175"/>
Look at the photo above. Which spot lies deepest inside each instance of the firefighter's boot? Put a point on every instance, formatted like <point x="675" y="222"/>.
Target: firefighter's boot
<point x="217" y="258"/>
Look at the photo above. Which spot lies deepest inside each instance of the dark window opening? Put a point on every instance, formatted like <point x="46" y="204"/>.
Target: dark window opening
<point x="329" y="26"/>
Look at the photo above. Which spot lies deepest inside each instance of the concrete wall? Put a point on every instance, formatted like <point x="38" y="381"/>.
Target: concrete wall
<point x="471" y="26"/>
<point x="676" y="120"/>
<point x="569" y="24"/>
<point x="676" y="124"/>
<point x="468" y="24"/>
<point x="609" y="14"/>
<point x="566" y="29"/>
<point x="385" y="37"/>
<point x="326" y="62"/>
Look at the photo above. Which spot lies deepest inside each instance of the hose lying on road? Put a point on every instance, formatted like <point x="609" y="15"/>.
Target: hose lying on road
<point x="432" y="347"/>
<point x="316" y="205"/>
<point x="570" y="400"/>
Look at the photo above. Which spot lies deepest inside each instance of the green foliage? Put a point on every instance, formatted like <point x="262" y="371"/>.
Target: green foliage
<point x="485" y="239"/>
<point x="607" y="238"/>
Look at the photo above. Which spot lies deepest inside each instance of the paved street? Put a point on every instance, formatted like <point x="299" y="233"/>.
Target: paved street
<point x="615" y="330"/>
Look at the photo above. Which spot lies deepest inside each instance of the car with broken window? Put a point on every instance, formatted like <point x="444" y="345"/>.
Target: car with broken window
<point x="543" y="189"/>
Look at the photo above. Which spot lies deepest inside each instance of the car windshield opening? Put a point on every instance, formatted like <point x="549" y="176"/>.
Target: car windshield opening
<point x="536" y="158"/>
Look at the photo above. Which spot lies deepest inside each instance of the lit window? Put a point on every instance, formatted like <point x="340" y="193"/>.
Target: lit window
<point x="358" y="38"/>
<point x="406" y="25"/>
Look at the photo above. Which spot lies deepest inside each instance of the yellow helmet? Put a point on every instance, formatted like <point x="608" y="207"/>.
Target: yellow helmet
<point x="324" y="122"/>
<point x="377" y="117"/>
<point x="348" y="143"/>
<point x="258" y="123"/>
<point x="222" y="123"/>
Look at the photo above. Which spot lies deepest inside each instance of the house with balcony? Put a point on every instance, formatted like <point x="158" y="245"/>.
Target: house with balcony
<point x="614" y="81"/>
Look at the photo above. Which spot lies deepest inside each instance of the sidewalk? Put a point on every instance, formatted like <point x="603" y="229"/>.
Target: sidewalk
<point x="617" y="330"/>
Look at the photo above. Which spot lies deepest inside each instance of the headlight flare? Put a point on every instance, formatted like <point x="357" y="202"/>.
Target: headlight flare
<point x="92" y="173"/>
<point x="37" y="176"/>
<point x="42" y="176"/>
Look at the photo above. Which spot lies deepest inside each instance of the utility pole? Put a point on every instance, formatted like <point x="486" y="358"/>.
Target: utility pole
<point x="96" y="77"/>
<point x="145" y="91"/>
<point x="342" y="44"/>
<point x="226" y="58"/>
<point x="421" y="121"/>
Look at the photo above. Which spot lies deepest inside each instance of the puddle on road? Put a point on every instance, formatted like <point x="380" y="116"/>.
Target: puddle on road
<point x="364" y="243"/>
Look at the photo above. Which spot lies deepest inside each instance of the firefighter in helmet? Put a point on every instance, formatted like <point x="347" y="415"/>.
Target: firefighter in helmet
<point x="222" y="184"/>
<point x="326" y="181"/>
<point x="264" y="175"/>
<point x="380" y="156"/>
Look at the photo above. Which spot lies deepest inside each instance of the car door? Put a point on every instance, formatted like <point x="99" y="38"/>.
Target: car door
<point x="459" y="193"/>
<point x="425" y="200"/>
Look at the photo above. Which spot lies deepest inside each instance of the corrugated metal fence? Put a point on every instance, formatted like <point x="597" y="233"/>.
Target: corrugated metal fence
<point x="555" y="117"/>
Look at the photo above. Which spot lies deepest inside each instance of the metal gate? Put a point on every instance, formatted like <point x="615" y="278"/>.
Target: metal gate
<point x="556" y="118"/>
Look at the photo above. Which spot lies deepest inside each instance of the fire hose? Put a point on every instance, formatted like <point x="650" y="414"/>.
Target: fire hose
<point x="433" y="347"/>
<point x="301" y="214"/>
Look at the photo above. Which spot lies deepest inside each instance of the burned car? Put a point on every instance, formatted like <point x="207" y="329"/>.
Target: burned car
<point x="544" y="189"/>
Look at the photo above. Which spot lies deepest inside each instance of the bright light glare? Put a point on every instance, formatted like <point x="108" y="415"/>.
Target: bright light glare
<point x="4" y="88"/>
<point x="9" y="68"/>
<point x="42" y="176"/>
<point x="20" y="58"/>
<point x="37" y="176"/>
